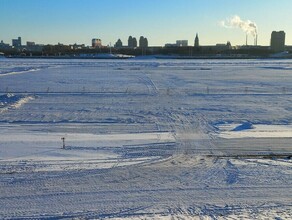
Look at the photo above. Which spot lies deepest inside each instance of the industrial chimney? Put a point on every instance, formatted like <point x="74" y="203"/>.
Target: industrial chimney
<point x="246" y="40"/>
<point x="256" y="40"/>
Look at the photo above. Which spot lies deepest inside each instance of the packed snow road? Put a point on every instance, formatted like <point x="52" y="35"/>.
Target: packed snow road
<point x="150" y="139"/>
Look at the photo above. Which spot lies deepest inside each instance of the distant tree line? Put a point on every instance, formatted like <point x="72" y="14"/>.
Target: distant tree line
<point x="65" y="50"/>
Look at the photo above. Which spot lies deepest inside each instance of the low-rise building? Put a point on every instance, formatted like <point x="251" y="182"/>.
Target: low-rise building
<point x="77" y="46"/>
<point x="30" y="43"/>
<point x="182" y="43"/>
<point x="4" y="45"/>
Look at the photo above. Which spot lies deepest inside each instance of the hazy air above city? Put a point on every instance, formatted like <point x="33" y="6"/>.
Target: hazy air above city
<point x="161" y="21"/>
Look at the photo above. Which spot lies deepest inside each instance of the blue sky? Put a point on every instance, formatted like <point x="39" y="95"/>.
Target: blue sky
<point x="161" y="21"/>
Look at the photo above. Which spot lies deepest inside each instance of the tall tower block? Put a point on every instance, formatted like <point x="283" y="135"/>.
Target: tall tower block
<point x="197" y="41"/>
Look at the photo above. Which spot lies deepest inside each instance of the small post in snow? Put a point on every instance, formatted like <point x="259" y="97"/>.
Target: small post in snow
<point x="63" y="139"/>
<point x="246" y="90"/>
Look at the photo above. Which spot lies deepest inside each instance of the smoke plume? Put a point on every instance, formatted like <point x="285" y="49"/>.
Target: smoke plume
<point x="247" y="26"/>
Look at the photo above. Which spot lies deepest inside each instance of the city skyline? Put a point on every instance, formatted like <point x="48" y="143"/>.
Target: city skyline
<point x="74" y="21"/>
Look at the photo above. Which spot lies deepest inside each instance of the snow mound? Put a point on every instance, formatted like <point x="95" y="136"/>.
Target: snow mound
<point x="19" y="70"/>
<point x="11" y="101"/>
<point x="244" y="126"/>
<point x="248" y="130"/>
<point x="8" y="99"/>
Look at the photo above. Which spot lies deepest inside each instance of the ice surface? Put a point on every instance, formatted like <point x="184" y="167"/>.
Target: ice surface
<point x="145" y="139"/>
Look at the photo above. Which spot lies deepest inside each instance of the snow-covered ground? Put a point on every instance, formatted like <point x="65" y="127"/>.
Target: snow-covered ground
<point x="145" y="139"/>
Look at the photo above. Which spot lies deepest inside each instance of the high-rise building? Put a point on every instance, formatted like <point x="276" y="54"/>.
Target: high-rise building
<point x="16" y="42"/>
<point x="119" y="43"/>
<point x="96" y="42"/>
<point x="278" y="41"/>
<point x="143" y="42"/>
<point x="132" y="42"/>
<point x="197" y="41"/>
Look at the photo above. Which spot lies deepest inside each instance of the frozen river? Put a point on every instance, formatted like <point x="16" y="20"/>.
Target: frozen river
<point x="154" y="139"/>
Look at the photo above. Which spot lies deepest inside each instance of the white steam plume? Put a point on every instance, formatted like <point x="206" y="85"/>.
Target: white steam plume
<point x="247" y="26"/>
